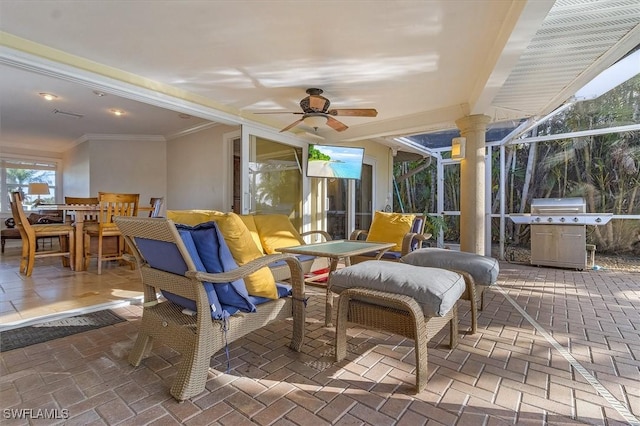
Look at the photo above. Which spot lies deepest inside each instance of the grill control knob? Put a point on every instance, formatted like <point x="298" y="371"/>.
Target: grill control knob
<point x="538" y="219"/>
<point x="598" y="220"/>
<point x="562" y="219"/>
<point x="550" y="219"/>
<point x="575" y="219"/>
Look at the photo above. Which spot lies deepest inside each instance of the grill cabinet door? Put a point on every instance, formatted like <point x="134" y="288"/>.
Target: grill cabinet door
<point x="558" y="245"/>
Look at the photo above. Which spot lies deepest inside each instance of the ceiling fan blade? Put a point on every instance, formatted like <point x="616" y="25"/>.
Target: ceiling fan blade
<point x="354" y="112"/>
<point x="279" y="112"/>
<point x="294" y="124"/>
<point x="335" y="124"/>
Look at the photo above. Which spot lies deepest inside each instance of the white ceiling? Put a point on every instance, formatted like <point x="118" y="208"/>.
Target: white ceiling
<point x="421" y="64"/>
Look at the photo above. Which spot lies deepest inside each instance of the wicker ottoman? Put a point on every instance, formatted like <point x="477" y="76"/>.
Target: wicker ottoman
<point x="401" y="299"/>
<point x="480" y="271"/>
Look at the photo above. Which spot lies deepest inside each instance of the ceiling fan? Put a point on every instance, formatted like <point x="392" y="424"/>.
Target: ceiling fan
<point x="315" y="112"/>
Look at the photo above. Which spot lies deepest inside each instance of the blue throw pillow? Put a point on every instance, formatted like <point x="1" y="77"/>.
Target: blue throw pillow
<point x="415" y="228"/>
<point x="216" y="257"/>
<point x="166" y="257"/>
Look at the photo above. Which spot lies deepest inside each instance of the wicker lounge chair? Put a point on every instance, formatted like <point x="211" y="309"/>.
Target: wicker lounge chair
<point x="406" y="230"/>
<point x="197" y="337"/>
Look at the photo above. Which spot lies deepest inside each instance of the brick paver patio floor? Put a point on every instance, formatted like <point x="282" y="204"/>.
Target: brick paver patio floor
<point x="554" y="347"/>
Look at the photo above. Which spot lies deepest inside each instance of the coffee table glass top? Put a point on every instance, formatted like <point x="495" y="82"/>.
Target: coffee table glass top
<point x="337" y="248"/>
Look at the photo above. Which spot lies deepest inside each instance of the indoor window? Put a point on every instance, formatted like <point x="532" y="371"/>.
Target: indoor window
<point x="17" y="174"/>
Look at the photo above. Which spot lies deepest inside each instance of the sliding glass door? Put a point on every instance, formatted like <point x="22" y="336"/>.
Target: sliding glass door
<point x="350" y="204"/>
<point x="337" y="218"/>
<point x="274" y="179"/>
<point x="268" y="178"/>
<point x="363" y="201"/>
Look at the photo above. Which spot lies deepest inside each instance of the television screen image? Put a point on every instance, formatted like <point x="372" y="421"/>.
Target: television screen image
<point x="325" y="161"/>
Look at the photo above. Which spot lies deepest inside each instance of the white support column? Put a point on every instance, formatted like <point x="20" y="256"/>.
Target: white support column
<point x="440" y="192"/>
<point x="472" y="184"/>
<point x="487" y="200"/>
<point x="503" y="193"/>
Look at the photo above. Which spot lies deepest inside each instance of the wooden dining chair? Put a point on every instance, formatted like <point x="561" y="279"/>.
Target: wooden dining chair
<point x="30" y="233"/>
<point x="110" y="205"/>
<point x="156" y="204"/>
<point x="83" y="201"/>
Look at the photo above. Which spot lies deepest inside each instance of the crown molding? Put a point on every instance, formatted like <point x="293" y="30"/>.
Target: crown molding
<point x="192" y="130"/>
<point x="109" y="137"/>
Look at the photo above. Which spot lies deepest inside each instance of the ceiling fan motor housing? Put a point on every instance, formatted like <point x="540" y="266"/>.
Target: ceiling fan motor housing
<point x="315" y="102"/>
<point x="315" y="112"/>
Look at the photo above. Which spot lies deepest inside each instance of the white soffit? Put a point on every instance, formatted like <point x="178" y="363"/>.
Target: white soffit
<point x="575" y="35"/>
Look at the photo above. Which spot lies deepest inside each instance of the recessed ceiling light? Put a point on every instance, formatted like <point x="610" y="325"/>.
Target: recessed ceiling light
<point x="117" y="112"/>
<point x="48" y="96"/>
<point x="99" y="93"/>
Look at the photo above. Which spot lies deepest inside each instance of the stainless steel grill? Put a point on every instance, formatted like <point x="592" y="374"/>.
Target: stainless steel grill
<point x="558" y="231"/>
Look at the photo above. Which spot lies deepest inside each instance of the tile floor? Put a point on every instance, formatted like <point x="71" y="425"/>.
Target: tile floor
<point x="52" y="290"/>
<point x="554" y="347"/>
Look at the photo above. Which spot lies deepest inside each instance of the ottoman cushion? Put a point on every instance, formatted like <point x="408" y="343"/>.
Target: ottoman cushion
<point x="435" y="290"/>
<point x="483" y="269"/>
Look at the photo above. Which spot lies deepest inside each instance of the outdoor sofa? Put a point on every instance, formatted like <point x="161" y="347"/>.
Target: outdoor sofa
<point x="207" y="301"/>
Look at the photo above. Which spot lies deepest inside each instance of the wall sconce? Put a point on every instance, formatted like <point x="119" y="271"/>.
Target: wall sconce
<point x="457" y="148"/>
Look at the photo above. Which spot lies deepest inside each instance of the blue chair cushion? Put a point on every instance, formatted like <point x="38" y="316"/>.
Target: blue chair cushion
<point x="216" y="257"/>
<point x="283" y="290"/>
<point x="300" y="257"/>
<point x="165" y="256"/>
<point x="389" y="255"/>
<point x="416" y="227"/>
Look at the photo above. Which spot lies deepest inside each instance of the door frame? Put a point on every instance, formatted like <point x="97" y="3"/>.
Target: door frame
<point x="245" y="135"/>
<point x="351" y="199"/>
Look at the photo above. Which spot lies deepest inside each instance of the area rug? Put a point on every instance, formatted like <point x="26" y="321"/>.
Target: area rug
<point x="27" y="336"/>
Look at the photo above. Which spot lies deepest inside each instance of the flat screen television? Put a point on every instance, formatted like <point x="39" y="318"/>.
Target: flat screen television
<point x="342" y="162"/>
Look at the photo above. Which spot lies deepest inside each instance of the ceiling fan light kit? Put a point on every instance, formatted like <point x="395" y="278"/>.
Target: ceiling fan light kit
<point x="316" y="112"/>
<point x="315" y="120"/>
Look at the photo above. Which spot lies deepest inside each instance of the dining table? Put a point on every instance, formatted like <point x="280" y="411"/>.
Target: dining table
<point x="79" y="212"/>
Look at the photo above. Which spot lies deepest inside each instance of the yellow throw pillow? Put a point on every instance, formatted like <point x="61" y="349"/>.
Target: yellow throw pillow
<point x="251" y="225"/>
<point x="188" y="217"/>
<point x="276" y="231"/>
<point x="243" y="249"/>
<point x="390" y="228"/>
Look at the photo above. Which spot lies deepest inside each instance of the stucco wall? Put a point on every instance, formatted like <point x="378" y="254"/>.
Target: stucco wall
<point x="127" y="166"/>
<point x="199" y="170"/>
<point x="191" y="172"/>
<point x="75" y="172"/>
<point x="138" y="166"/>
